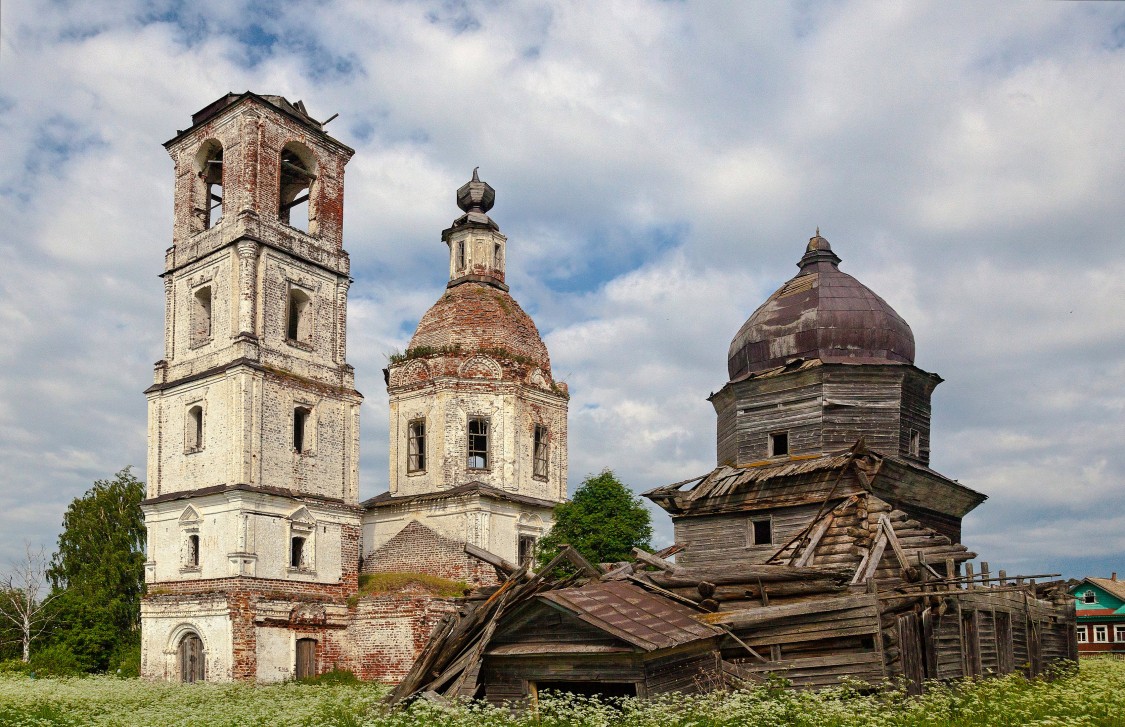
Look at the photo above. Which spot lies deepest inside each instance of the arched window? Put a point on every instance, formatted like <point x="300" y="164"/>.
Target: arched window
<point x="193" y="429"/>
<point x="302" y="416"/>
<point x="201" y="316"/>
<point x="209" y="166"/>
<point x="298" y="173"/>
<point x="298" y="324"/>
<point x="478" y="443"/>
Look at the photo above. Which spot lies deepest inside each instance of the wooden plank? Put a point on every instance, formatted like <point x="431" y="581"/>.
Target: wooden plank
<point x="814" y="540"/>
<point x="653" y="560"/>
<point x="750" y="617"/>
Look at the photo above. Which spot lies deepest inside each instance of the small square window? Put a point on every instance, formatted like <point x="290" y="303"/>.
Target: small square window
<point x="1089" y="597"/>
<point x="1081" y="634"/>
<point x="416" y="446"/>
<point x="779" y="444"/>
<point x="761" y="532"/>
<point x="1101" y="634"/>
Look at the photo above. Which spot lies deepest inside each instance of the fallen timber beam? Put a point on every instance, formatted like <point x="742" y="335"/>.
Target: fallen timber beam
<point x="653" y="560"/>
<point x="624" y="571"/>
<point x="492" y="559"/>
<point x="584" y="566"/>
<point x="757" y="616"/>
<point x="752" y="591"/>
<point x="735" y="574"/>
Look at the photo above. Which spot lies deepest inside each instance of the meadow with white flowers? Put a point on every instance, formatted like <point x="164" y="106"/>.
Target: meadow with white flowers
<point x="1093" y="696"/>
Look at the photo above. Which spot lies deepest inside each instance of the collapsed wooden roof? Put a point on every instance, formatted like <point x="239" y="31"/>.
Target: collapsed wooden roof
<point x="798" y="479"/>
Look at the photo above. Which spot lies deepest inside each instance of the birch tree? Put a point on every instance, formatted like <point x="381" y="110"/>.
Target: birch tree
<point x="25" y="598"/>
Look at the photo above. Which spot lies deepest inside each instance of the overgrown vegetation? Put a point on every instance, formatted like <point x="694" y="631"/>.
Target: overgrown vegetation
<point x="1095" y="697"/>
<point x="91" y="617"/>
<point x="424" y="351"/>
<point x="604" y="522"/>
<point x="373" y="583"/>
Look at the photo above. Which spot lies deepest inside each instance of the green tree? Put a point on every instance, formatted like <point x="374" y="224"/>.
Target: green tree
<point x="604" y="522"/>
<point x="99" y="573"/>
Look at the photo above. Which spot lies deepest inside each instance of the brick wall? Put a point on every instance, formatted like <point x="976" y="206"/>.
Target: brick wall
<point x="418" y="549"/>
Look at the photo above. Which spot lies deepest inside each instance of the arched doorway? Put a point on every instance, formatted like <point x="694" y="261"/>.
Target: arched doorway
<point x="191" y="659"/>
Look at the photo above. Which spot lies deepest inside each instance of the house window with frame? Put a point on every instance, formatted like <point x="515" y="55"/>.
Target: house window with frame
<point x="478" y="443"/>
<point x="779" y="444"/>
<point x="460" y="257"/>
<point x="761" y="532"/>
<point x="1081" y="634"/>
<point x="1089" y="597"/>
<point x="539" y="440"/>
<point x="1101" y="634"/>
<point x="915" y="443"/>
<point x="416" y="446"/>
<point x="1119" y="634"/>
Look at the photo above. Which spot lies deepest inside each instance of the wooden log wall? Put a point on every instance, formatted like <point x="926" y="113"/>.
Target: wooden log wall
<point x="824" y="408"/>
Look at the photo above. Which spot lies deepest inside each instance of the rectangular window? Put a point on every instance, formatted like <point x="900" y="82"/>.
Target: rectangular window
<point x="301" y="415"/>
<point x="297" y="552"/>
<point x="1119" y="634"/>
<point x="915" y="443"/>
<point x="779" y="444"/>
<point x="1101" y="634"/>
<point x="539" y="451"/>
<point x="299" y="316"/>
<point x="1089" y="597"/>
<point x="416" y="446"/>
<point x="527" y="550"/>
<point x="201" y="316"/>
<point x="193" y="429"/>
<point x="193" y="550"/>
<point x="1082" y="634"/>
<point x="461" y="256"/>
<point x="478" y="443"/>
<point x="761" y="532"/>
<point x="496" y="261"/>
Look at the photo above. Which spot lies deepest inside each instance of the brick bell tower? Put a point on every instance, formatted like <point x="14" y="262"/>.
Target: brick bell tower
<point x="253" y="427"/>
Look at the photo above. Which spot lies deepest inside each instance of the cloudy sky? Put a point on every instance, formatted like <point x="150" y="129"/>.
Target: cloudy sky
<point x="659" y="168"/>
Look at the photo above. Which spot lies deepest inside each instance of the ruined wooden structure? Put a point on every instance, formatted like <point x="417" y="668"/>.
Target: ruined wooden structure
<point x="822" y="547"/>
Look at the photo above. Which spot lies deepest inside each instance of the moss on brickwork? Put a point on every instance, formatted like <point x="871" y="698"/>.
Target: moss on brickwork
<point x="375" y="583"/>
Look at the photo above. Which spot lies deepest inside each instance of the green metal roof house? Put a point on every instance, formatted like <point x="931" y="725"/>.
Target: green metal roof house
<point x="1101" y="615"/>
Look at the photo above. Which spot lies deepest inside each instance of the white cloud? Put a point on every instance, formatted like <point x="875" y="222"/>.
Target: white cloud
<point x="658" y="168"/>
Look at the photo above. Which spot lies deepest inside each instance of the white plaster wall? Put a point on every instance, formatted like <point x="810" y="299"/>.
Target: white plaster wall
<point x="236" y="527"/>
<point x="276" y="651"/>
<point x="164" y="625"/>
<point x="513" y="410"/>
<point x="490" y="524"/>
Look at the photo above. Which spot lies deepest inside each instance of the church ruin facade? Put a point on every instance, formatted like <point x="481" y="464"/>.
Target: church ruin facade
<point x="255" y="529"/>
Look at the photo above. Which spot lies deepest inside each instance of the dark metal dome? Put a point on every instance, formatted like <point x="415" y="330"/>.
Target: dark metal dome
<point x="823" y="314"/>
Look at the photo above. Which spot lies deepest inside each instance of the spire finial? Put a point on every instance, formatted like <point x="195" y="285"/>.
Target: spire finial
<point x="476" y="196"/>
<point x="817" y="227"/>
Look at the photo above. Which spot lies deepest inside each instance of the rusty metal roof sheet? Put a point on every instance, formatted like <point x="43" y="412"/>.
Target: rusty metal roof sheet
<point x="824" y="314"/>
<point x="629" y="612"/>
<point x="386" y="499"/>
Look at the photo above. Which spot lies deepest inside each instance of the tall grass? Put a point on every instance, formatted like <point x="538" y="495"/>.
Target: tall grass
<point x="1093" y="697"/>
